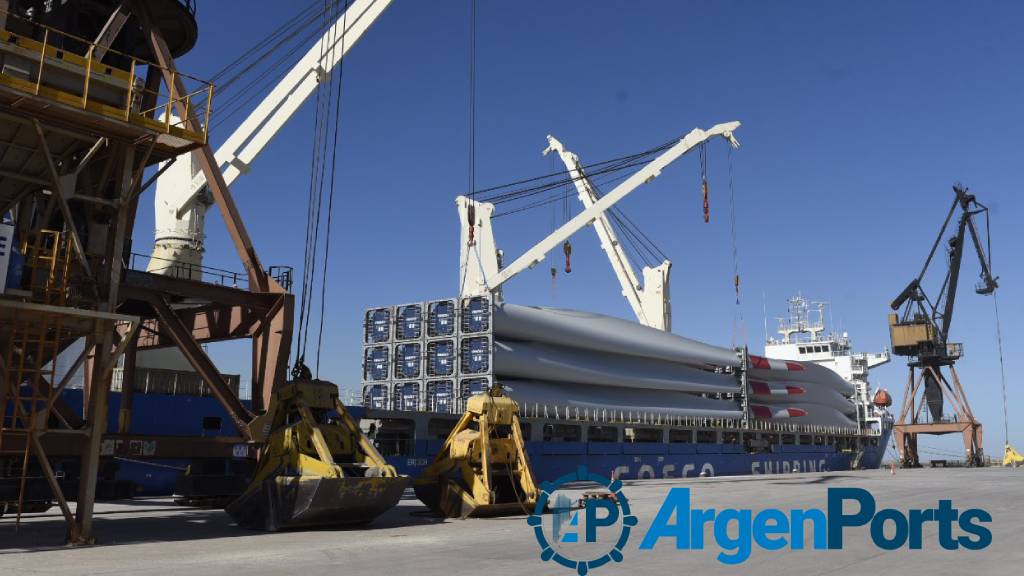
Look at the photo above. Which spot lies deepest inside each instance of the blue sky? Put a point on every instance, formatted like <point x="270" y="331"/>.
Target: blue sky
<point x="857" y="119"/>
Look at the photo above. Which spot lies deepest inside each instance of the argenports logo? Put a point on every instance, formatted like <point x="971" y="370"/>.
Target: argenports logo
<point x="736" y="532"/>
<point x="595" y="533"/>
<point x="584" y="537"/>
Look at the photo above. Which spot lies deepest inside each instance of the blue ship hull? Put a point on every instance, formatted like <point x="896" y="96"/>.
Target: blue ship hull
<point x="167" y="415"/>
<point x="629" y="461"/>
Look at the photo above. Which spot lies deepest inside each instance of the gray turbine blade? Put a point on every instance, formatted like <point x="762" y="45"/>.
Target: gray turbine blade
<point x="555" y="363"/>
<point x="600" y="333"/>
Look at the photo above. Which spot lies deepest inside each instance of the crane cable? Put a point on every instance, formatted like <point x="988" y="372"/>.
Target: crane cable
<point x="330" y="198"/>
<point x="1002" y="368"/>
<point x="738" y="321"/>
<point x="472" y="122"/>
<point x="313" y="211"/>
<point x="303" y="27"/>
<point x="471" y="245"/>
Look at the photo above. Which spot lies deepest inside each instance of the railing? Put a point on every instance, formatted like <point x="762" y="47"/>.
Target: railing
<point x="632" y="417"/>
<point x="555" y="412"/>
<point x="56" y="65"/>
<point x="954" y="350"/>
<point x="200" y="273"/>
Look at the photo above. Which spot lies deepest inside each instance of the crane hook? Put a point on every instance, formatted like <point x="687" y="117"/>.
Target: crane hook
<point x="471" y="217"/>
<point x="567" y="248"/>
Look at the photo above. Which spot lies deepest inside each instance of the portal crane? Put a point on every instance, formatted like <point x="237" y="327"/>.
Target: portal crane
<point x="480" y="267"/>
<point x="650" y="301"/>
<point x="921" y="332"/>
<point x="181" y="201"/>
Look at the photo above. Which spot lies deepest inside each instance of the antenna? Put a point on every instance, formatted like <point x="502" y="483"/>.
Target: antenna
<point x="764" y="314"/>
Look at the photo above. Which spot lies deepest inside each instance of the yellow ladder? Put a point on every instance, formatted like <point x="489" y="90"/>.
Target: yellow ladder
<point x="30" y="361"/>
<point x="48" y="262"/>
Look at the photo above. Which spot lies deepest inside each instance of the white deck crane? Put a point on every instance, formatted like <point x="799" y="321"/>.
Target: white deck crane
<point x="481" y="271"/>
<point x="181" y="203"/>
<point x="650" y="301"/>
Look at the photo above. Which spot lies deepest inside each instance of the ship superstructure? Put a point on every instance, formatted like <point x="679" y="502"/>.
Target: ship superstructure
<point x="805" y="338"/>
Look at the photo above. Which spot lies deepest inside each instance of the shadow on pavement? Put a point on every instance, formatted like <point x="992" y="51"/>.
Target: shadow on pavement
<point x="158" y="521"/>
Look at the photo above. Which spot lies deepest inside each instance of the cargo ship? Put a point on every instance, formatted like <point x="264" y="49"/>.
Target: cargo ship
<point x="621" y="398"/>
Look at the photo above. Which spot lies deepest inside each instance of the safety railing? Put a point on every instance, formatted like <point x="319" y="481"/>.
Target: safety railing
<point x="79" y="73"/>
<point x="555" y="412"/>
<point x="632" y="417"/>
<point x="208" y="274"/>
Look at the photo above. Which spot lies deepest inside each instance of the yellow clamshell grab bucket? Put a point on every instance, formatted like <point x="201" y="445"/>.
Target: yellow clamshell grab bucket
<point x="1012" y="457"/>
<point x="317" y="468"/>
<point x="482" y="468"/>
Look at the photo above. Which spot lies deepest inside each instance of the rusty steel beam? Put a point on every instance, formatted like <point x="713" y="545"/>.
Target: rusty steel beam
<point x="271" y="343"/>
<point x="109" y="32"/>
<point x="205" y="325"/>
<point x="135" y="281"/>
<point x="201" y="363"/>
<point x="258" y="279"/>
<point x="124" y="417"/>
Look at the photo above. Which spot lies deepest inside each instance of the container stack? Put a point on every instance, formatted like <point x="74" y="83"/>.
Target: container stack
<point x="427" y="355"/>
<point x="377" y="343"/>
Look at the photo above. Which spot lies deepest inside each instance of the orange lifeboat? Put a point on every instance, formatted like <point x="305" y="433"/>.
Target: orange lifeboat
<point x="883" y="399"/>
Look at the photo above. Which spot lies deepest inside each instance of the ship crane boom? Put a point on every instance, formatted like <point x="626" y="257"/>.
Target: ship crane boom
<point x="261" y="126"/>
<point x="650" y="300"/>
<point x="181" y="201"/>
<point x="480" y="270"/>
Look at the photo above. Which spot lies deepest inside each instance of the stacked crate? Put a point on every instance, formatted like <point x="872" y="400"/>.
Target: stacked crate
<point x="442" y="355"/>
<point x="407" y="390"/>
<point x="476" y="347"/>
<point x="377" y="342"/>
<point x="427" y="355"/>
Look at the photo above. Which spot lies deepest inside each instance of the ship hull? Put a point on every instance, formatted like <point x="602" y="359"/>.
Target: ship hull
<point x="639" y="461"/>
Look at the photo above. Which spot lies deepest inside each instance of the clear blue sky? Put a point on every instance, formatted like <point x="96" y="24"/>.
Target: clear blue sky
<point x="857" y="119"/>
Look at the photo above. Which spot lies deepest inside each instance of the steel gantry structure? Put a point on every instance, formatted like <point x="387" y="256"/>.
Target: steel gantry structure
<point x="921" y="332"/>
<point x="83" y="113"/>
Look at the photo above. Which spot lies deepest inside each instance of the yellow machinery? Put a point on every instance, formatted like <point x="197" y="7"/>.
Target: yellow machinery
<point x="482" y="468"/>
<point x="1012" y="457"/>
<point x="317" y="467"/>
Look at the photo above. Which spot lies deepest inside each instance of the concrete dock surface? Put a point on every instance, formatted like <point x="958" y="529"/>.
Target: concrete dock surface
<point x="155" y="537"/>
